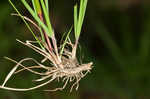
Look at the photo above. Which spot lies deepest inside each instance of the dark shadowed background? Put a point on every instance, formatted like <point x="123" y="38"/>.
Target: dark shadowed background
<point x="115" y="36"/>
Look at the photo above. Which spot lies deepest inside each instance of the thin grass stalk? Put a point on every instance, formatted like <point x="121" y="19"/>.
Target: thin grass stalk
<point x="46" y="15"/>
<point x="47" y="6"/>
<point x="39" y="12"/>
<point x="69" y="69"/>
<point x="83" y="5"/>
<point x="35" y="16"/>
<point x="79" y="25"/>
<point x="65" y="41"/>
<point x="75" y="19"/>
<point x="78" y="22"/>
<point x="26" y="24"/>
<point x="37" y="8"/>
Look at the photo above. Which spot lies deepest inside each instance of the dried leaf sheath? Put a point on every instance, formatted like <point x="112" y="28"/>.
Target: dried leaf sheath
<point x="64" y="64"/>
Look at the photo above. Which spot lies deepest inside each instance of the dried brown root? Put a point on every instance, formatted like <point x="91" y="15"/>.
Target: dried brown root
<point x="31" y="67"/>
<point x="76" y="83"/>
<point x="28" y="19"/>
<point x="27" y="89"/>
<point x="56" y="89"/>
<point x="71" y="71"/>
<point x="49" y="55"/>
<point x="56" y="73"/>
<point x="43" y="78"/>
<point x="28" y="59"/>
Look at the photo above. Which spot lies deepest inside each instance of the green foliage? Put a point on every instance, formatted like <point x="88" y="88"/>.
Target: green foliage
<point x="38" y="11"/>
<point x="35" y="16"/>
<point x="37" y="7"/>
<point x="78" y="18"/>
<point x="65" y="41"/>
<point x="116" y="39"/>
<point x="26" y="23"/>
<point x="47" y="18"/>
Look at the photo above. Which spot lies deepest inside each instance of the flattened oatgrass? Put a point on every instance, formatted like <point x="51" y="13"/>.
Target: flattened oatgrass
<point x="64" y="64"/>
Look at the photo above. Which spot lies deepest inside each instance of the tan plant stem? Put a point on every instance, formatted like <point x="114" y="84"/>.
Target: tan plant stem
<point x="55" y="47"/>
<point x="53" y="41"/>
<point x="74" y="50"/>
<point x="28" y="19"/>
<point x="45" y="35"/>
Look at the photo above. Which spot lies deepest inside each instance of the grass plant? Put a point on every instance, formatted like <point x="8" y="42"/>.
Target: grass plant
<point x="64" y="64"/>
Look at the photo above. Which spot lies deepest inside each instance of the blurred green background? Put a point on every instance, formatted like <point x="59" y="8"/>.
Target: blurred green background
<point x="115" y="36"/>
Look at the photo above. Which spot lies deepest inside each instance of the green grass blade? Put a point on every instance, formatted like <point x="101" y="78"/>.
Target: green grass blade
<point x="47" y="6"/>
<point x="33" y="3"/>
<point x="79" y="20"/>
<point x="63" y="36"/>
<point x="67" y="37"/>
<point x="10" y="74"/>
<point x="26" y="23"/>
<point x="46" y="15"/>
<point x="83" y="5"/>
<point x="75" y="19"/>
<point x="36" y="6"/>
<point x="38" y="11"/>
<point x="35" y="17"/>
